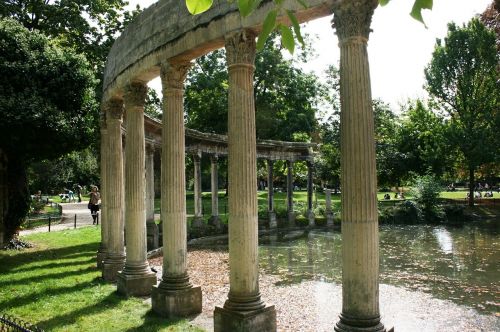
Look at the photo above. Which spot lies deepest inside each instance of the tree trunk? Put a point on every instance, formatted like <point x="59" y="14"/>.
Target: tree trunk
<point x="18" y="197"/>
<point x="471" y="186"/>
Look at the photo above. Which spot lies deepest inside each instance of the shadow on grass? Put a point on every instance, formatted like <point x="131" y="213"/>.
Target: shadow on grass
<point x="59" y="264"/>
<point x="11" y="261"/>
<point x="53" y="276"/>
<point x="153" y="322"/>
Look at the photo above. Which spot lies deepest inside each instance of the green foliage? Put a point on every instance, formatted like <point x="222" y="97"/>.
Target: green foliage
<point x="198" y="6"/>
<point x="425" y="192"/>
<point x="463" y="79"/>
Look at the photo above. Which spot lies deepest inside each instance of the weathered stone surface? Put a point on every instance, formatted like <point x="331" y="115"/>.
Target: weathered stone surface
<point x="110" y="270"/>
<point x="262" y="320"/>
<point x="135" y="285"/>
<point x="176" y="303"/>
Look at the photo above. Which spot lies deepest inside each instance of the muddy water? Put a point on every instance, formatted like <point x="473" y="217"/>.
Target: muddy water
<point x="457" y="264"/>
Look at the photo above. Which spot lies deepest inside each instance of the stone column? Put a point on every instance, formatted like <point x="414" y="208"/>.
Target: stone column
<point x="289" y="192"/>
<point x="243" y="310"/>
<point x="115" y="260"/>
<point x="214" y="220"/>
<point x="360" y="253"/>
<point x="270" y="195"/>
<point x="103" y="248"/>
<point x="198" y="203"/>
<point x="174" y="295"/>
<point x="310" y="211"/>
<point x="152" y="231"/>
<point x="136" y="279"/>
<point x="329" y="211"/>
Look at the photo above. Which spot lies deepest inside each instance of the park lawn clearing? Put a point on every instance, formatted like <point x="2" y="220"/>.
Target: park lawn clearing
<point x="56" y="286"/>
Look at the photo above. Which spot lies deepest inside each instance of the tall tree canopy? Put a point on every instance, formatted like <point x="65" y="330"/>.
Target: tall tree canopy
<point x="46" y="102"/>
<point x="463" y="77"/>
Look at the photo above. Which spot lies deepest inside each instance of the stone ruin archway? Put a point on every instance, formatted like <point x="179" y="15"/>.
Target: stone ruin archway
<point x="161" y="42"/>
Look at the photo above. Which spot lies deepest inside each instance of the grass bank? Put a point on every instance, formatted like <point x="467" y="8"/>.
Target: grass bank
<point x="56" y="286"/>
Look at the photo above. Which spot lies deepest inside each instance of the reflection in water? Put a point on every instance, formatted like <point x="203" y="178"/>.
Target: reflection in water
<point x="458" y="264"/>
<point x="444" y="239"/>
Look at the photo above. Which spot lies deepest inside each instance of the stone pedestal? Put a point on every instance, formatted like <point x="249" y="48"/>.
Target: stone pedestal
<point x="136" y="285"/>
<point x="174" y="296"/>
<point x="115" y="259"/>
<point x="329" y="211"/>
<point x="310" y="218"/>
<point x="360" y="251"/>
<point x="153" y="235"/>
<point x="262" y="320"/>
<point x="273" y="222"/>
<point x="291" y="218"/>
<point x="176" y="303"/>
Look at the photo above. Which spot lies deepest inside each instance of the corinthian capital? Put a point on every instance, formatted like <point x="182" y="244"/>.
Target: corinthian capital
<point x="114" y="108"/>
<point x="240" y="48"/>
<point x="174" y="75"/>
<point x="352" y="18"/>
<point x="135" y="94"/>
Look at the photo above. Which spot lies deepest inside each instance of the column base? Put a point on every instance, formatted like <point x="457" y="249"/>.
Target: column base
<point x="310" y="218"/>
<point x="135" y="285"/>
<point x="197" y="222"/>
<point x="262" y="320"/>
<point x="329" y="219"/>
<point x="101" y="256"/>
<point x="353" y="324"/>
<point x="111" y="268"/>
<point x="176" y="303"/>
<point x="273" y="223"/>
<point x="215" y="221"/>
<point x="153" y="235"/>
<point x="291" y="218"/>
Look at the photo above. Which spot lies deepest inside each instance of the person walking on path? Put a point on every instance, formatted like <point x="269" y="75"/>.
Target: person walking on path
<point x="94" y="203"/>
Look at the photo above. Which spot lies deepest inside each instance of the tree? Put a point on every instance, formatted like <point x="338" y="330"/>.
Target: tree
<point x="47" y="104"/>
<point x="463" y="78"/>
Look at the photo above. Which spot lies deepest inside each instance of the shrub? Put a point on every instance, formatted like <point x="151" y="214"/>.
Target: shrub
<point x="426" y="191"/>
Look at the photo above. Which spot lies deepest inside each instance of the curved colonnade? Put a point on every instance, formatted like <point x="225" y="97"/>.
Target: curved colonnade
<point x="162" y="41"/>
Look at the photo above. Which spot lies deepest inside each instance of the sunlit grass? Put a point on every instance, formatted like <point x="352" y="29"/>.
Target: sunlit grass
<point x="57" y="286"/>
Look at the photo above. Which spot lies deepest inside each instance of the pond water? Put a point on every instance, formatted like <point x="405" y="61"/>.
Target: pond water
<point x="458" y="264"/>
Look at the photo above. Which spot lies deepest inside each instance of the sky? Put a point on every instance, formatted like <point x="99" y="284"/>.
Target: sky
<point x="399" y="47"/>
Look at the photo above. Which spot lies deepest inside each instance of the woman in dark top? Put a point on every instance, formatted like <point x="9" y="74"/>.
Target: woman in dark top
<point x="94" y="203"/>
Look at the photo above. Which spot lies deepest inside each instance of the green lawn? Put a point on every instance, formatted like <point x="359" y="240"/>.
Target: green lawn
<point x="56" y="286"/>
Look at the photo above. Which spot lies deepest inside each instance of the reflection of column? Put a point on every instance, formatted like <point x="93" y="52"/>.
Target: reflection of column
<point x="243" y="310"/>
<point x="289" y="192"/>
<point x="103" y="248"/>
<point x="136" y="277"/>
<point x="270" y="195"/>
<point x="115" y="260"/>
<point x="214" y="220"/>
<point x="329" y="211"/>
<point x="198" y="207"/>
<point x="360" y="254"/>
<point x="174" y="295"/>
<point x="152" y="231"/>
<point x="310" y="212"/>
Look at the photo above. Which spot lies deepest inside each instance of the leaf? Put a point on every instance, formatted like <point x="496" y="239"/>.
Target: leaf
<point x="302" y="3"/>
<point x="383" y="2"/>
<point x="418" y="6"/>
<point x="247" y="6"/>
<point x="267" y="28"/>
<point x="287" y="38"/>
<point x="196" y="7"/>
<point x="296" y="26"/>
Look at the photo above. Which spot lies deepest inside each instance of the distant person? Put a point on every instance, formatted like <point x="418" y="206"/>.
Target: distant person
<point x="94" y="203"/>
<point x="387" y="196"/>
<point x="79" y="193"/>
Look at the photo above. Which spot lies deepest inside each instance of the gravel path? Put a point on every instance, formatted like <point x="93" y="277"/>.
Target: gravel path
<point x="69" y="210"/>
<point x="314" y="305"/>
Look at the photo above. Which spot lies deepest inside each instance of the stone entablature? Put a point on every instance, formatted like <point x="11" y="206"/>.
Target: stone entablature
<point x="156" y="34"/>
<point x="216" y="144"/>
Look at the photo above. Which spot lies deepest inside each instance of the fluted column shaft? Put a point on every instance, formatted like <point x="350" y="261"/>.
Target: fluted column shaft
<point x="289" y="185"/>
<point x="242" y="167"/>
<point x="215" y="185"/>
<point x="173" y="178"/>
<point x="360" y="257"/>
<point x="197" y="185"/>
<point x="135" y="210"/>
<point x="150" y="184"/>
<point x="270" y="185"/>
<point x="114" y="201"/>
<point x="103" y="249"/>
